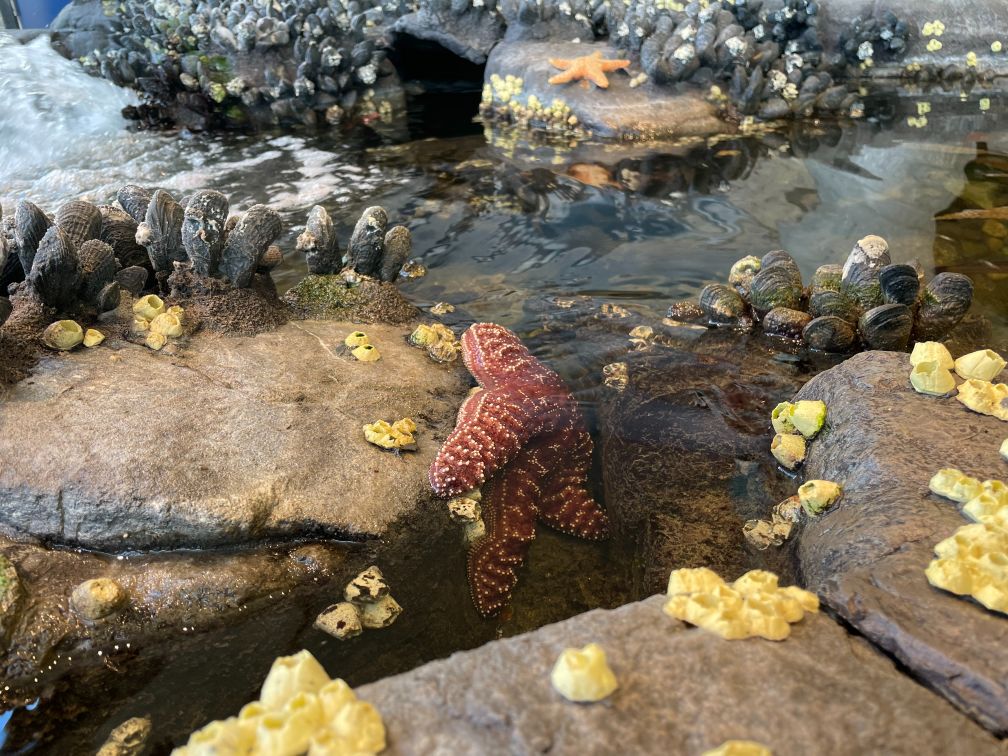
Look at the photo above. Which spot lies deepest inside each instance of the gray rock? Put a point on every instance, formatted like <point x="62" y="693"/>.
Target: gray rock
<point x="470" y="35"/>
<point x="867" y="555"/>
<point x="234" y="439"/>
<point x="681" y="691"/>
<point x="647" y="111"/>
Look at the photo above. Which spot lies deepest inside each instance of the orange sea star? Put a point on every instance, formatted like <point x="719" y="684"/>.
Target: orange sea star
<point x="591" y="67"/>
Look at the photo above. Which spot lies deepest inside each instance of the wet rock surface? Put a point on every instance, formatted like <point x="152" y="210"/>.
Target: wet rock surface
<point x="680" y="691"/>
<point x="867" y="555"/>
<point x="227" y="440"/>
<point x="685" y="460"/>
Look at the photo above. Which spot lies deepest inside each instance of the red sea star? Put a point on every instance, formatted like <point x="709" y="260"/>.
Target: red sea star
<point x="524" y="436"/>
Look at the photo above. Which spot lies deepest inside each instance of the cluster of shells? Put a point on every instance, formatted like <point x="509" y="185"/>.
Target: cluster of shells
<point x="769" y="55"/>
<point x="318" y="56"/>
<point x="375" y="250"/>
<point x="870" y="301"/>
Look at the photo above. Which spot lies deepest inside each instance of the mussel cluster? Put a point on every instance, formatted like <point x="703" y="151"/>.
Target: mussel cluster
<point x="869" y="302"/>
<point x="770" y="56"/>
<point x="374" y="250"/>
<point x="313" y="58"/>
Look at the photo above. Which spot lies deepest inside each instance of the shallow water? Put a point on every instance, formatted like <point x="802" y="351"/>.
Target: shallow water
<point x="509" y="230"/>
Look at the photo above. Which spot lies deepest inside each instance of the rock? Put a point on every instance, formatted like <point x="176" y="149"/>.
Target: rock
<point x="10" y="592"/>
<point x="646" y="111"/>
<point x="380" y="613"/>
<point x="685" y="457"/>
<point x="470" y="35"/>
<point x="340" y="620"/>
<point x="243" y="438"/>
<point x="820" y="691"/>
<point x="128" y="739"/>
<point x="367" y="301"/>
<point x="97" y="598"/>
<point x="367" y="587"/>
<point x="866" y="556"/>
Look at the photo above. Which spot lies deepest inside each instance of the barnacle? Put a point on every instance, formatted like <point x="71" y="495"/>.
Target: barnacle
<point x="989" y="507"/>
<point x="380" y="613"/>
<point x="366" y="353"/>
<point x="423" y="336"/>
<point x="807" y="416"/>
<point x="356" y="339"/>
<point x="63" y="335"/>
<point x="739" y="748"/>
<point x="290" y="675"/>
<point x="983" y="365"/>
<point x="1004" y="449"/>
<point x="928" y="377"/>
<point x="166" y="324"/>
<point x="974" y="562"/>
<point x="583" y="675"/>
<point x="754" y="605"/>
<point x="93" y="338"/>
<point x="955" y="485"/>
<point x="149" y="307"/>
<point x="788" y="449"/>
<point x="780" y="418"/>
<point x="931" y="351"/>
<point x="156" y="340"/>
<point x="985" y="397"/>
<point x="818" y="495"/>
<point x="397" y="435"/>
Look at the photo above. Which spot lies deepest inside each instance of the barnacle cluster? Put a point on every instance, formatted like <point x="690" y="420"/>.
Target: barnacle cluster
<point x="985" y="397"/>
<point x="583" y="674"/>
<point x="299" y="710"/>
<point x="754" y="605"/>
<point x="397" y="436"/>
<point x="438" y="339"/>
<point x="931" y="373"/>
<point x="367" y="605"/>
<point x="869" y="302"/>
<point x="374" y="250"/>
<point x="794" y="424"/>
<point x="157" y="322"/>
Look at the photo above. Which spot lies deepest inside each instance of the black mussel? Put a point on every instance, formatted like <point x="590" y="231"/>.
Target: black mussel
<point x="860" y="278"/>
<point x="722" y="304"/>
<point x="829" y="333"/>
<point x="944" y="302"/>
<point x="785" y="322"/>
<point x="900" y="284"/>
<point x="887" y="326"/>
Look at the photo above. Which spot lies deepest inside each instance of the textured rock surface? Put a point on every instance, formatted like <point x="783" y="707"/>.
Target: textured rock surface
<point x="866" y="557"/>
<point x="681" y="691"/>
<point x="228" y="440"/>
<point x="645" y="111"/>
<point x="685" y="462"/>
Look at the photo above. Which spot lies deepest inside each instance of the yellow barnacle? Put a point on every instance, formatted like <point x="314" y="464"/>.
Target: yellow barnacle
<point x="149" y="307"/>
<point x="807" y="416"/>
<point x="780" y="418"/>
<point x="397" y="435"/>
<point x="934" y="45"/>
<point x="356" y="339"/>
<point x="1003" y="451"/>
<point x="818" y="495"/>
<point x="63" y="335"/>
<point x="923" y="108"/>
<point x="983" y="365"/>
<point x="166" y="324"/>
<point x="996" y="46"/>
<point x="739" y="748"/>
<point x="583" y="674"/>
<point x="955" y="485"/>
<point x="366" y="353"/>
<point x="932" y="351"/>
<point x="93" y="338"/>
<point x="788" y="449"/>
<point x="156" y="340"/>
<point x="928" y="377"/>
<point x="974" y="562"/>
<point x="985" y="103"/>
<point x="971" y="59"/>
<point x="985" y="397"/>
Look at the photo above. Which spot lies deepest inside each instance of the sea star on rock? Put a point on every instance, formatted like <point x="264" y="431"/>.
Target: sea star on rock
<point x="524" y="437"/>
<point x="591" y="67"/>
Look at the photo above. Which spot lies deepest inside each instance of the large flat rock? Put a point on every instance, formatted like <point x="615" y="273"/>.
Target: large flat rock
<point x="228" y="440"/>
<point x="682" y="691"/>
<point x="866" y="557"/>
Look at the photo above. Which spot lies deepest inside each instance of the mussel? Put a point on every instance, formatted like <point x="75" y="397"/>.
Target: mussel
<point x="860" y="278"/>
<point x="55" y="275"/>
<point x="80" y="220"/>
<point x="98" y="267"/>
<point x="203" y="230"/>
<point x="367" y="244"/>
<point x="743" y="272"/>
<point x="398" y="245"/>
<point x="826" y="278"/>
<point x="30" y="225"/>
<point x="722" y="304"/>
<point x="776" y="285"/>
<point x="944" y="302"/>
<point x="785" y="322"/>
<point x="248" y="242"/>
<point x="319" y="243"/>
<point x="827" y="302"/>
<point x="887" y="326"/>
<point x="829" y="333"/>
<point x="900" y="284"/>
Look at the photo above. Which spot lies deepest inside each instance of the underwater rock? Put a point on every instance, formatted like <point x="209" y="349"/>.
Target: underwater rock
<point x="367" y="244"/>
<point x="30" y="226"/>
<point x="81" y="221"/>
<point x="248" y="242"/>
<point x="398" y="245"/>
<point x="860" y="277"/>
<point x="203" y="230"/>
<point x="887" y="326"/>
<point x="97" y="598"/>
<point x="55" y="275"/>
<point x="583" y="675"/>
<point x="944" y="302"/>
<point x="161" y="232"/>
<point x="319" y="243"/>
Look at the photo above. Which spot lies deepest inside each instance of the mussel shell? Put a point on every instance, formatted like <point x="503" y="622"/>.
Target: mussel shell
<point x="829" y="333"/>
<point x="944" y="303"/>
<point x="900" y="284"/>
<point x="164" y="225"/>
<point x="829" y="302"/>
<point x="722" y="304"/>
<point x="98" y="267"/>
<point x="203" y="230"/>
<point x="826" y="278"/>
<point x="248" y="242"/>
<point x="134" y="200"/>
<point x="319" y="243"/>
<point x="778" y="285"/>
<point x="119" y="232"/>
<point x="860" y="279"/>
<point x="55" y="276"/>
<point x="367" y="244"/>
<point x="778" y="257"/>
<point x="80" y="220"/>
<point x="30" y="225"/>
<point x="108" y="298"/>
<point x="133" y="279"/>
<point x="785" y="322"/>
<point x="742" y="273"/>
<point x="398" y="245"/>
<point x="685" y="311"/>
<point x="887" y="326"/>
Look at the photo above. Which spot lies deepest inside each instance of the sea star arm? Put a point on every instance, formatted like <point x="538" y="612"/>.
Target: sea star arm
<point x="497" y="358"/>
<point x="565" y="503"/>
